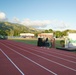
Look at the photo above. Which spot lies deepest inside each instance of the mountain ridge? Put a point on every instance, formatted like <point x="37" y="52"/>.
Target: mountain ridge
<point x="14" y="29"/>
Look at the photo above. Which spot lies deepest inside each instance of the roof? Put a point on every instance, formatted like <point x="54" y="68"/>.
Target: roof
<point x="26" y="34"/>
<point x="46" y="34"/>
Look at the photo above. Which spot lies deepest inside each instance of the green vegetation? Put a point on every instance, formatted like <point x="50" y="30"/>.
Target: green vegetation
<point x="62" y="42"/>
<point x="34" y="41"/>
<point x="3" y="37"/>
<point x="57" y="43"/>
<point x="13" y="29"/>
<point x="27" y="41"/>
<point x="59" y="34"/>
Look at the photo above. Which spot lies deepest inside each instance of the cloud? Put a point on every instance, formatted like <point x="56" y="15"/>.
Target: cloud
<point x="36" y="23"/>
<point x="3" y="16"/>
<point x="55" y="24"/>
<point x="43" y="24"/>
<point x="16" y="20"/>
<point x="60" y="24"/>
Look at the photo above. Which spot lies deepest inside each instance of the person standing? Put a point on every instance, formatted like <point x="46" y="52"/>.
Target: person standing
<point x="53" y="42"/>
<point x="46" y="43"/>
<point x="39" y="43"/>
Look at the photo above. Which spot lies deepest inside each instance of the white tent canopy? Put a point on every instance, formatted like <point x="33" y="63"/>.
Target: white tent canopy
<point x="70" y="41"/>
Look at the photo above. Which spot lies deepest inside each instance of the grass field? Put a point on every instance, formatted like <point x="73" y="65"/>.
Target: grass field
<point x="34" y="41"/>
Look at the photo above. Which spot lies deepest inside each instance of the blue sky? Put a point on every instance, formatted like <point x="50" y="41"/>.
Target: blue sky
<point x="43" y="14"/>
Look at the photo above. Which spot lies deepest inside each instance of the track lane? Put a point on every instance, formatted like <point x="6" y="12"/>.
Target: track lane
<point x="6" y="67"/>
<point x="11" y="61"/>
<point x="33" y="69"/>
<point x="52" y="50"/>
<point x="47" y="62"/>
<point x="46" y="51"/>
<point x="48" y="56"/>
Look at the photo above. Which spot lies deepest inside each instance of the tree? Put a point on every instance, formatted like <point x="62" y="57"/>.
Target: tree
<point x="50" y="30"/>
<point x="46" y="31"/>
<point x="65" y="32"/>
<point x="58" y="34"/>
<point x="2" y="32"/>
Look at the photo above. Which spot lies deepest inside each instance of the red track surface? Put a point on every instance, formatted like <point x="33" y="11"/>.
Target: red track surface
<point x="24" y="59"/>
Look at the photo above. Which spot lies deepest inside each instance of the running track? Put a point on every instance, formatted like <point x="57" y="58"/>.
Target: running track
<point x="24" y="59"/>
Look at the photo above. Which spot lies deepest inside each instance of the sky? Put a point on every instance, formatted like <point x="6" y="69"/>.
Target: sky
<point x="40" y="14"/>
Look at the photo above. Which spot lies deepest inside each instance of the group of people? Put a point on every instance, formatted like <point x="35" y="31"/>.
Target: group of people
<point x="46" y="43"/>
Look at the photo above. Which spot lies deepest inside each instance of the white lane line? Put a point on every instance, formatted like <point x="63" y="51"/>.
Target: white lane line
<point x="31" y="60"/>
<point x="49" y="60"/>
<point x="12" y="62"/>
<point x="47" y="54"/>
<point x="60" y="53"/>
<point x="53" y="56"/>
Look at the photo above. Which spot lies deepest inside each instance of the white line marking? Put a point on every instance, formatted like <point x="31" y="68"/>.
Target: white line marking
<point x="31" y="60"/>
<point x="12" y="62"/>
<point x="51" y="55"/>
<point x="60" y="53"/>
<point x="48" y="54"/>
<point x="48" y="59"/>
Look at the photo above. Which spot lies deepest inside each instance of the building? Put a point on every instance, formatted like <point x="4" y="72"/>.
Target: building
<point x="45" y="35"/>
<point x="27" y="35"/>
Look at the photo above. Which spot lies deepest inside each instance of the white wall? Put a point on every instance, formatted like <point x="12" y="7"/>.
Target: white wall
<point x="71" y="41"/>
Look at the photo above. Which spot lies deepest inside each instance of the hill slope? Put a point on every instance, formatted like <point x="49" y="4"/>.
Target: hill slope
<point x="12" y="29"/>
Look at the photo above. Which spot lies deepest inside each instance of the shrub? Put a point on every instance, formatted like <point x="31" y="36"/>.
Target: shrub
<point x="62" y="42"/>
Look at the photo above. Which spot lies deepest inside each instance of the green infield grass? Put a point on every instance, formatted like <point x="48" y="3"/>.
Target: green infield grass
<point x="34" y="41"/>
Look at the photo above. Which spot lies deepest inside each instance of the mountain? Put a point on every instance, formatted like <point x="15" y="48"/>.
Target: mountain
<point x="13" y="29"/>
